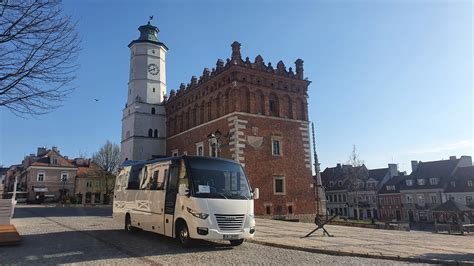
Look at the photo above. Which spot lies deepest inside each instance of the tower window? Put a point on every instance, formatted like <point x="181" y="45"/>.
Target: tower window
<point x="150" y="132"/>
<point x="153" y="110"/>
<point x="153" y="89"/>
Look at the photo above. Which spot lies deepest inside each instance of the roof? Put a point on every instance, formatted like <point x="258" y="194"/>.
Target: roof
<point x="3" y="170"/>
<point x="460" y="182"/>
<point x="46" y="161"/>
<point x="338" y="176"/>
<point x="443" y="170"/>
<point x="452" y="206"/>
<point x="378" y="174"/>
<point x="394" y="181"/>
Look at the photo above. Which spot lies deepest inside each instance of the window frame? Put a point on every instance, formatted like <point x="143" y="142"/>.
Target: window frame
<point x="283" y="179"/>
<point x="38" y="175"/>
<point x="200" y="145"/>
<point x="280" y="146"/>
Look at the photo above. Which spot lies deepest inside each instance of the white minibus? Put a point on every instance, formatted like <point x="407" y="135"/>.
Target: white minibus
<point x="186" y="197"/>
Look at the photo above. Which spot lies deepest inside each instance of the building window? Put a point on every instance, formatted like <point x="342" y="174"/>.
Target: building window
<point x="391" y="187"/>
<point x="40" y="176"/>
<point x="150" y="133"/>
<point x="97" y="198"/>
<point x="409" y="182"/>
<point x="153" y="89"/>
<point x="54" y="160"/>
<point x="470" y="183"/>
<point x="468" y="200"/>
<point x="434" y="181"/>
<point x="434" y="199"/>
<point x="370" y="185"/>
<point x="200" y="149"/>
<point x="276" y="147"/>
<point x="268" y="208"/>
<point x="344" y="197"/>
<point x="185" y="153"/>
<point x="421" y="199"/>
<point x="64" y="176"/>
<point x="339" y="197"/>
<point x="421" y="182"/>
<point x="330" y="198"/>
<point x="89" y="183"/>
<point x="155" y="133"/>
<point x="153" y="108"/>
<point x="279" y="185"/>
<point x="97" y="184"/>
<point x="339" y="183"/>
<point x="174" y="153"/>
<point x="290" y="208"/>
<point x="409" y="198"/>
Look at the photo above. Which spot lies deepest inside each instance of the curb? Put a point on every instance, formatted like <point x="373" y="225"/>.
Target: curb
<point x="362" y="255"/>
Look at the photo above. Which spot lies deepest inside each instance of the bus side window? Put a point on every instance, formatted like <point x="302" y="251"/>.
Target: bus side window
<point x="161" y="180"/>
<point x="154" y="180"/>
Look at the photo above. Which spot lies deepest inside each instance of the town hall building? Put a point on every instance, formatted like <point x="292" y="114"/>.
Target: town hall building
<point x="247" y="111"/>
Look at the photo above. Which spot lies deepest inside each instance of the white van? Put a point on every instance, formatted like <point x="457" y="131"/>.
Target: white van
<point x="187" y="197"/>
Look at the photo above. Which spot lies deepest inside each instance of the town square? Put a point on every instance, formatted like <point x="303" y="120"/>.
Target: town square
<point x="160" y="132"/>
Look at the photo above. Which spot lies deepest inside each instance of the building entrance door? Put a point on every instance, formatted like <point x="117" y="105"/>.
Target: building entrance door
<point x="398" y="214"/>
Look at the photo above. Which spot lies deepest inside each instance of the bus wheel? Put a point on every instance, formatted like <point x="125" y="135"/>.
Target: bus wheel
<point x="237" y="242"/>
<point x="128" y="224"/>
<point x="183" y="235"/>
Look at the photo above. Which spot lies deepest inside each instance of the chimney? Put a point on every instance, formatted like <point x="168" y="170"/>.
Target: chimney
<point x="338" y="165"/>
<point x="40" y="151"/>
<point x="414" y="165"/>
<point x="54" y="148"/>
<point x="393" y="169"/>
<point x="452" y="157"/>
<point x="65" y="157"/>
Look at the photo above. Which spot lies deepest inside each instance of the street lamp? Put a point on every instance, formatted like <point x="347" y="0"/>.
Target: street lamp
<point x="213" y="139"/>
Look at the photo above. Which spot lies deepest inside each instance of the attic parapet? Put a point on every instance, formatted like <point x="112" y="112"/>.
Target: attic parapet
<point x="236" y="59"/>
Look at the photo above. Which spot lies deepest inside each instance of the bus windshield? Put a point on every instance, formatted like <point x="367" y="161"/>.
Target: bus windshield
<point x="218" y="179"/>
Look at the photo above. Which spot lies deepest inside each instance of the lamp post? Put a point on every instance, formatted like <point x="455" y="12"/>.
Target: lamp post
<point x="213" y="139"/>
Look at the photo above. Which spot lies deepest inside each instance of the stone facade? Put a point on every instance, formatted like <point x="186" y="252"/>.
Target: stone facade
<point x="262" y="115"/>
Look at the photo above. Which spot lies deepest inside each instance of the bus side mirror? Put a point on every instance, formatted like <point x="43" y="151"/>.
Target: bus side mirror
<point x="183" y="190"/>
<point x="256" y="193"/>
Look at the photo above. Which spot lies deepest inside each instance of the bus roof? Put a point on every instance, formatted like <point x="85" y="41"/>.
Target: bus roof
<point x="142" y="162"/>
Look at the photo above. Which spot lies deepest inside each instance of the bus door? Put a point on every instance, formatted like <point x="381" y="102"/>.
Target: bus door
<point x="170" y="199"/>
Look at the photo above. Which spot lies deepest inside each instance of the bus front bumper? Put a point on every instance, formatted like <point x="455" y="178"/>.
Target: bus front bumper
<point x="214" y="234"/>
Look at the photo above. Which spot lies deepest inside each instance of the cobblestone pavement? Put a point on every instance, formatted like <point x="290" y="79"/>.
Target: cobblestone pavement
<point x="90" y="236"/>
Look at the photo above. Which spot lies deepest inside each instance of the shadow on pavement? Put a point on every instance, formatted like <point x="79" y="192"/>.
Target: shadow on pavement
<point x="31" y="212"/>
<point x="94" y="245"/>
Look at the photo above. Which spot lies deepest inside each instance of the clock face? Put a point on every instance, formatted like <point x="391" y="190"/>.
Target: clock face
<point x="153" y="69"/>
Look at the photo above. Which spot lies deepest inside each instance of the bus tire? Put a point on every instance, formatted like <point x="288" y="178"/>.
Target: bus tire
<point x="128" y="224"/>
<point x="237" y="242"/>
<point x="183" y="235"/>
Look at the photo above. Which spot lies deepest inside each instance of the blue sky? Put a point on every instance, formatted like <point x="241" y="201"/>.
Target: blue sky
<point x="393" y="78"/>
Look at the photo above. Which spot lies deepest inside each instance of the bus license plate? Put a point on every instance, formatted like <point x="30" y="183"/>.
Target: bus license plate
<point x="231" y="237"/>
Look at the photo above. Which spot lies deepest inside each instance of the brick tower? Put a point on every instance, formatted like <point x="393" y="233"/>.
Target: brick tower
<point x="255" y="114"/>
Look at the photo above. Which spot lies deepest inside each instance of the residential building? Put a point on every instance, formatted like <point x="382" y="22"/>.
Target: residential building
<point x="3" y="174"/>
<point x="461" y="187"/>
<point x="389" y="200"/>
<point x="90" y="184"/>
<point x="424" y="188"/>
<point x="352" y="191"/>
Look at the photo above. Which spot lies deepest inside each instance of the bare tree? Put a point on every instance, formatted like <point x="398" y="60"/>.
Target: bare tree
<point x="108" y="158"/>
<point x="38" y="51"/>
<point x="355" y="174"/>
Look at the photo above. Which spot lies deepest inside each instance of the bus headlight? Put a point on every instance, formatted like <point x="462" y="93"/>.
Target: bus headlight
<point x="200" y="215"/>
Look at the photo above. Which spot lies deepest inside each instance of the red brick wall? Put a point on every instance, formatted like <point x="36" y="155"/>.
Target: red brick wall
<point x="237" y="99"/>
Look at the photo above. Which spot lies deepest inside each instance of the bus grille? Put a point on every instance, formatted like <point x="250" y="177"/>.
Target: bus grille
<point x="230" y="222"/>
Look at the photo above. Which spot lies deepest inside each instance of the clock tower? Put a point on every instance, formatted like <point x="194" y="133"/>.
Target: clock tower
<point x="144" y="118"/>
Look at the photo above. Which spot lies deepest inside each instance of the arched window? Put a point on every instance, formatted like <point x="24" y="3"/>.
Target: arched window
<point x="259" y="102"/>
<point x="274" y="105"/>
<point x="150" y="132"/>
<point x="153" y="110"/>
<point x="155" y="135"/>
